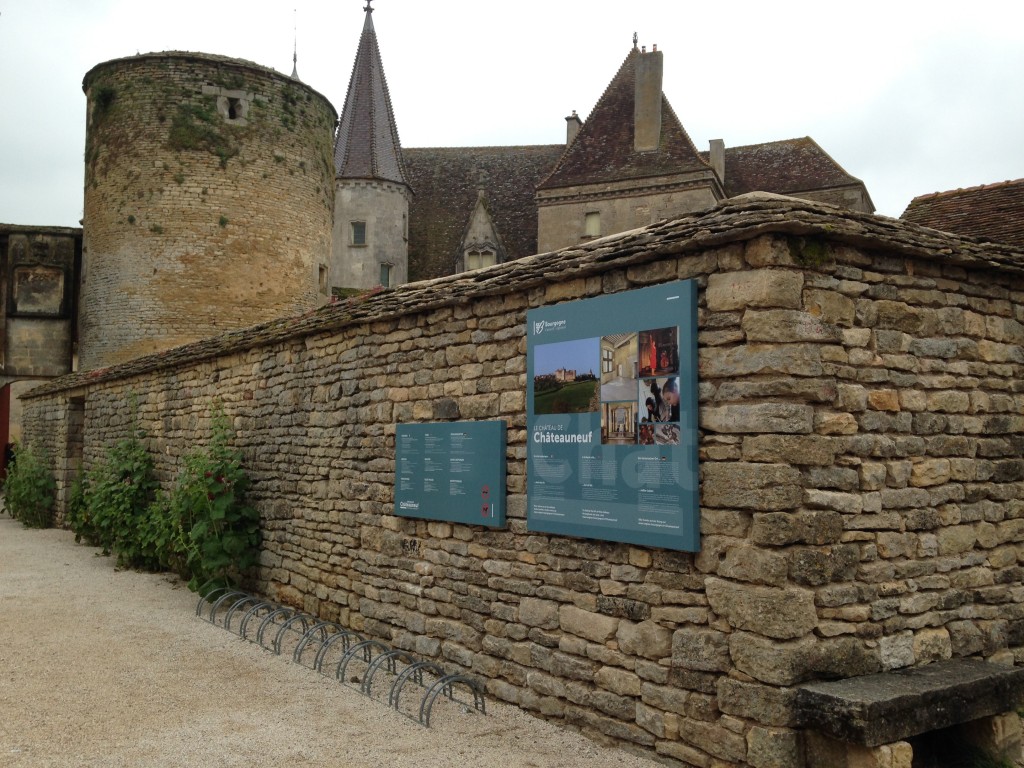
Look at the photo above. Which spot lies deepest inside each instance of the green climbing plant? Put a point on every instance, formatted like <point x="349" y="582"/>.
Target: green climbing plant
<point x="119" y="492"/>
<point x="218" y="530"/>
<point x="29" y="489"/>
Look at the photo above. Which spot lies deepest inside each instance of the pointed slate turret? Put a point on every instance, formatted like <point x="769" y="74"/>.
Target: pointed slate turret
<point x="371" y="200"/>
<point x="367" y="145"/>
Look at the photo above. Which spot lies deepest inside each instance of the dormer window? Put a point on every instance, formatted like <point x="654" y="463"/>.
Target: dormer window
<point x="358" y="230"/>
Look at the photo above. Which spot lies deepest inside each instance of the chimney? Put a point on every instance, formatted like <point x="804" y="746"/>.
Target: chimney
<point x="647" y="102"/>
<point x="718" y="158"/>
<point x="572" y="127"/>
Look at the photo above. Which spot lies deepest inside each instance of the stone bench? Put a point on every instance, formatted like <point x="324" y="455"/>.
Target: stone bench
<point x="876" y="714"/>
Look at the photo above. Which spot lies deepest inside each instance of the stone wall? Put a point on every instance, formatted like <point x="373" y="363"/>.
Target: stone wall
<point x="862" y="486"/>
<point x="209" y="195"/>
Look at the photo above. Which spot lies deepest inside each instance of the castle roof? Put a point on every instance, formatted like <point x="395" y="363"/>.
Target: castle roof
<point x="786" y="167"/>
<point x="367" y="146"/>
<point x="448" y="182"/>
<point x="603" y="150"/>
<point x="992" y="212"/>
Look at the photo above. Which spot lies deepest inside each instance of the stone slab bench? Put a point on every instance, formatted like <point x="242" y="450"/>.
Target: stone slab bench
<point x="893" y="706"/>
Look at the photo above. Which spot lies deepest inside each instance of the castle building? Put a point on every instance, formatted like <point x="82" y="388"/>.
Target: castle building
<point x="208" y="201"/>
<point x="630" y="164"/>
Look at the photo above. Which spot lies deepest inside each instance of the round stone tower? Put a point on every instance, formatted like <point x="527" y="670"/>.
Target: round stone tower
<point x="209" y="195"/>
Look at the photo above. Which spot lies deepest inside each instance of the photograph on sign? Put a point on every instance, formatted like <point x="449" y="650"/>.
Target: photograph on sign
<point x="612" y="418"/>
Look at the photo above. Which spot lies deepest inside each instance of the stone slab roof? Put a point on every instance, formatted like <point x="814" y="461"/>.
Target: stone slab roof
<point x="992" y="212"/>
<point x="603" y="149"/>
<point x="785" y="167"/>
<point x="732" y="221"/>
<point x="446" y="182"/>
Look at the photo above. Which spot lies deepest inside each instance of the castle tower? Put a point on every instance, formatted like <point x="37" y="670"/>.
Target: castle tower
<point x="371" y="213"/>
<point x="208" y="201"/>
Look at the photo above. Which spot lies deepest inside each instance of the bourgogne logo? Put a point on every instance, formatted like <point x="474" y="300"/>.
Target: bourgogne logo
<point x="540" y="326"/>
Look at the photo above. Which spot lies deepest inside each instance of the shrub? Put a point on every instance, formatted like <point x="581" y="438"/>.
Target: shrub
<point x="218" y="529"/>
<point x="29" y="489"/>
<point x="120" y="490"/>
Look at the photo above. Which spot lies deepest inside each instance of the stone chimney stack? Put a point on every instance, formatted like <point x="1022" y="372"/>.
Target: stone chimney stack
<point x="718" y="158"/>
<point x="647" y="101"/>
<point x="572" y="127"/>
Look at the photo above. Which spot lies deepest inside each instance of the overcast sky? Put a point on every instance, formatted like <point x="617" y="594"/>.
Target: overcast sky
<point x="911" y="97"/>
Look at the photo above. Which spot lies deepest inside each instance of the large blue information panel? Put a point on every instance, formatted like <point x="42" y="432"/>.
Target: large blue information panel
<point x="612" y="418"/>
<point x="453" y="471"/>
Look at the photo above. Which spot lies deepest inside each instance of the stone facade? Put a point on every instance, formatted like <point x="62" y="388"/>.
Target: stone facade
<point x="862" y="486"/>
<point x="209" y="197"/>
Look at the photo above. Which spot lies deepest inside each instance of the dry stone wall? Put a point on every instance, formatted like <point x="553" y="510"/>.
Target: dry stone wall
<point x="862" y="486"/>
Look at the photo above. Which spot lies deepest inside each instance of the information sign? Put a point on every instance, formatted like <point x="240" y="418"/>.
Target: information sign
<point x="453" y="471"/>
<point x="612" y="418"/>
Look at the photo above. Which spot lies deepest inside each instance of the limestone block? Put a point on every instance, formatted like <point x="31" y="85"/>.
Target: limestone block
<point x="539" y="613"/>
<point x="750" y="486"/>
<point x="786" y="418"/>
<point x="884" y="400"/>
<point x="646" y="638"/>
<point x="811" y="527"/>
<point x="831" y="306"/>
<point x="760" y="359"/>
<point x="714" y="739"/>
<point x="592" y="626"/>
<point x="835" y="424"/>
<point x="771" y="661"/>
<point x="930" y="472"/>
<point x="701" y="649"/>
<point x="932" y="644"/>
<point x="755" y="288"/>
<point x="813" y="450"/>
<point x="787" y="326"/>
<point x="781" y="613"/>
<point x="754" y="565"/>
<point x="764" y="704"/>
<point x="618" y="680"/>
<point x="773" y="748"/>
<point x="897" y="651"/>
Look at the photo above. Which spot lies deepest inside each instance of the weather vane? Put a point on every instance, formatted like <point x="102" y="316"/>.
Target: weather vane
<point x="368" y="9"/>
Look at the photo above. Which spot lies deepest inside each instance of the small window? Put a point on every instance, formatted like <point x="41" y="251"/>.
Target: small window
<point x="358" y="233"/>
<point x="385" y="275"/>
<point x="478" y="259"/>
<point x="405" y="226"/>
<point x="323" y="279"/>
<point x="592" y="224"/>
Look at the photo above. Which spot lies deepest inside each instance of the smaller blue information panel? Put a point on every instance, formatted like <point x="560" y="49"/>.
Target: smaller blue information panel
<point x="453" y="471"/>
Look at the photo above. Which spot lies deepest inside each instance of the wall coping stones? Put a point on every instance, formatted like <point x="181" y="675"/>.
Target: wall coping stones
<point x="736" y="220"/>
<point x="891" y="706"/>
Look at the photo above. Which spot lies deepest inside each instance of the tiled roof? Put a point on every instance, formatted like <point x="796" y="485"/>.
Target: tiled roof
<point x="782" y="167"/>
<point x="446" y="182"/>
<point x="367" y="145"/>
<point x="993" y="212"/>
<point x="603" y="149"/>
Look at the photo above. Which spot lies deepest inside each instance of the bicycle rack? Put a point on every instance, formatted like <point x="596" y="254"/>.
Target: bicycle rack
<point x="310" y="632"/>
<point x="243" y="627"/>
<point x="445" y="686"/>
<point x="366" y="647"/>
<point x="320" y="628"/>
<point x="344" y="637"/>
<point x="389" y="660"/>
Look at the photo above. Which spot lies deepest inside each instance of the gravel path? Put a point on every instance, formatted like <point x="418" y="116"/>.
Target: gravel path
<point x="100" y="667"/>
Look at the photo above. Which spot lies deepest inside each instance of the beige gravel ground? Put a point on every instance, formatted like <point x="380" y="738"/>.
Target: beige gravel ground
<point x="100" y="667"/>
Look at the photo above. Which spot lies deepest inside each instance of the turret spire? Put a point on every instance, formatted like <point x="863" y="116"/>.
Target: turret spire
<point x="295" y="44"/>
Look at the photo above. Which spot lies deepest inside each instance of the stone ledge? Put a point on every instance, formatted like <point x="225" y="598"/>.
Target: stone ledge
<point x="891" y="706"/>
